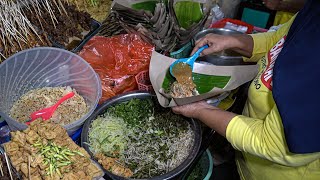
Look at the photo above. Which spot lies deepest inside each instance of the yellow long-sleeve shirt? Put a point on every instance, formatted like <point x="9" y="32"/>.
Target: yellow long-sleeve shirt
<point x="259" y="133"/>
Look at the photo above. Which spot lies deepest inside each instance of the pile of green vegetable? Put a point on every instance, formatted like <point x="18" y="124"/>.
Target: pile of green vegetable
<point x="55" y="156"/>
<point x="133" y="111"/>
<point x="147" y="138"/>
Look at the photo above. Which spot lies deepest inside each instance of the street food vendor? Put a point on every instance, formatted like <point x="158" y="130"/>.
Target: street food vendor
<point x="278" y="133"/>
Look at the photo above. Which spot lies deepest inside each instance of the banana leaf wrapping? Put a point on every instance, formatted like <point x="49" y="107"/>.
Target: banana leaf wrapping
<point x="210" y="80"/>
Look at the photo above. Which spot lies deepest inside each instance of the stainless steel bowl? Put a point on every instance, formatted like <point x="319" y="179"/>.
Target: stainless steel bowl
<point x="220" y="31"/>
<point x="224" y="58"/>
<point x="142" y="95"/>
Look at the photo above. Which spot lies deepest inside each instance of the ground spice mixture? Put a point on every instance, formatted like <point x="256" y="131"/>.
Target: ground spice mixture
<point x="184" y="86"/>
<point x="34" y="100"/>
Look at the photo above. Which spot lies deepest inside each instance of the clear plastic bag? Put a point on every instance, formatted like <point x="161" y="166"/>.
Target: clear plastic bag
<point x="117" y="60"/>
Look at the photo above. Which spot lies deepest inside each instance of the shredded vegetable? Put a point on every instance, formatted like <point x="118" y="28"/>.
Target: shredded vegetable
<point x="109" y="135"/>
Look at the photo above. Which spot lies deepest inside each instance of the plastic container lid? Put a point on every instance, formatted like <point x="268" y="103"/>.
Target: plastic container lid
<point x="46" y="67"/>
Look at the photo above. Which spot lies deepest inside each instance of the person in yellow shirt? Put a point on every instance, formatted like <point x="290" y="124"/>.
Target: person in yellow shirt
<point x="277" y="136"/>
<point x="285" y="9"/>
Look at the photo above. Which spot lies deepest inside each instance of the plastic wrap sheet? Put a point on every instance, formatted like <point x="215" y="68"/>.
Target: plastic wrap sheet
<point x="117" y="60"/>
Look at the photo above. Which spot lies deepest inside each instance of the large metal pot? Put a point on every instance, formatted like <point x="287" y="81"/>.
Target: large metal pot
<point x="224" y="58"/>
<point x="142" y="95"/>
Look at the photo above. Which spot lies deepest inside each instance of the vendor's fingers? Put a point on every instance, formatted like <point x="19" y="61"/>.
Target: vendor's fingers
<point x="198" y="40"/>
<point x="176" y="110"/>
<point x="209" y="50"/>
<point x="199" y="44"/>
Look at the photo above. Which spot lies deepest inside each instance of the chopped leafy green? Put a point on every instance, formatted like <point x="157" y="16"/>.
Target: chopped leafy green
<point x="132" y="111"/>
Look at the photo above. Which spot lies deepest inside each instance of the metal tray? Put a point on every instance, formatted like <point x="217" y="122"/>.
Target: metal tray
<point x="142" y="95"/>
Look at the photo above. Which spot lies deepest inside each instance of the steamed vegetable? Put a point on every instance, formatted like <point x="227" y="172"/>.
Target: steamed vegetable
<point x="55" y="156"/>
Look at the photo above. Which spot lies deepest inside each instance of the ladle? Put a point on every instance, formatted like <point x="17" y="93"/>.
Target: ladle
<point x="190" y="61"/>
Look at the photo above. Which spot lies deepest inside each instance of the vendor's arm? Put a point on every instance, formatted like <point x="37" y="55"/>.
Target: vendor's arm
<point x="263" y="138"/>
<point x="263" y="42"/>
<point x="213" y="117"/>
<point x="253" y="46"/>
<point x="241" y="43"/>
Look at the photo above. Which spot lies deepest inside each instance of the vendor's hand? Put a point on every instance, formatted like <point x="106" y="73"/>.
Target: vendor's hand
<point x="192" y="110"/>
<point x="215" y="42"/>
<point x="272" y="4"/>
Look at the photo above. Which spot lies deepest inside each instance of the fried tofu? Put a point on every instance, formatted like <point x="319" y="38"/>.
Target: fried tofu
<point x="26" y="146"/>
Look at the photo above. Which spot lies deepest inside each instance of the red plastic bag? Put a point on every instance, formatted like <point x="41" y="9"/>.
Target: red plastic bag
<point x="117" y="60"/>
